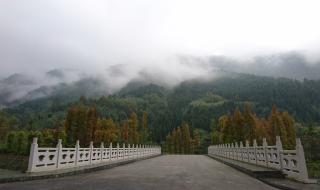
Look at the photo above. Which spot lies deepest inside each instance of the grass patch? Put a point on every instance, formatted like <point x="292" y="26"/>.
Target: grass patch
<point x="314" y="169"/>
<point x="14" y="162"/>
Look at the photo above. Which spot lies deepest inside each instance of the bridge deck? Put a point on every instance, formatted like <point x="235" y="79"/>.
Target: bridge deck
<point x="165" y="172"/>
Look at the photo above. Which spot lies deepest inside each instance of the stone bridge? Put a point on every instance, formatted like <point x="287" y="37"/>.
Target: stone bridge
<point x="142" y="167"/>
<point x="164" y="172"/>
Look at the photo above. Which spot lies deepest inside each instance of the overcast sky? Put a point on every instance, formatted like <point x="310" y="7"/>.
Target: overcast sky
<point x="38" y="35"/>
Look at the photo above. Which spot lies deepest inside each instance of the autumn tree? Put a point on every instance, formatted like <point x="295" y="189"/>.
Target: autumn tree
<point x="91" y="122"/>
<point x="289" y="122"/>
<point x="276" y="126"/>
<point x="238" y="121"/>
<point x="186" y="139"/>
<point x="144" y="133"/>
<point x="125" y="131"/>
<point x="133" y="128"/>
<point x="71" y="126"/>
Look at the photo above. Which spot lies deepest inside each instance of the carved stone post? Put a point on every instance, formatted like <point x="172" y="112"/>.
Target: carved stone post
<point x="144" y="150"/>
<point x="265" y="148"/>
<point x="77" y="152"/>
<point x="101" y="151"/>
<point x="59" y="152"/>
<point x="129" y="151"/>
<point x="279" y="151"/>
<point x="118" y="151"/>
<point x="236" y="151"/>
<point x="241" y="150"/>
<point x="91" y="151"/>
<point x="255" y="145"/>
<point x="124" y="150"/>
<point x="303" y="172"/>
<point x="247" y="151"/>
<point x="110" y="151"/>
<point x="33" y="155"/>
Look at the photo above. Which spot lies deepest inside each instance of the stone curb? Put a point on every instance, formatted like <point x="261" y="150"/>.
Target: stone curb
<point x="252" y="174"/>
<point x="73" y="172"/>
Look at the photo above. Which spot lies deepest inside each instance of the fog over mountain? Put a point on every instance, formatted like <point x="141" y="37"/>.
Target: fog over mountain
<point x="96" y="47"/>
<point x="21" y="87"/>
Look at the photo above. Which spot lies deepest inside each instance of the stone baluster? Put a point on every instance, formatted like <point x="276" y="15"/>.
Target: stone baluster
<point x="129" y="151"/>
<point x="33" y="155"/>
<point x="279" y="151"/>
<point x="265" y="150"/>
<point x="91" y="151"/>
<point x="241" y="150"/>
<point x="236" y="151"/>
<point x="101" y="151"/>
<point x="77" y="154"/>
<point x="110" y="151"/>
<point x="255" y="145"/>
<point x="118" y="153"/>
<point x="247" y="151"/>
<point x="301" y="162"/>
<point x="124" y="150"/>
<point x="59" y="152"/>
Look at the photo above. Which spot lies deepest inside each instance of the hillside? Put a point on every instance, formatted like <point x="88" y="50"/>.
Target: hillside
<point x="196" y="101"/>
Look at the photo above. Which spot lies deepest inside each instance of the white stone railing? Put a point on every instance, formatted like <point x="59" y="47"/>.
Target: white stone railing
<point x="290" y="162"/>
<point x="48" y="159"/>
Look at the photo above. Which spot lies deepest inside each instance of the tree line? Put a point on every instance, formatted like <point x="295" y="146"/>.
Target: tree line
<point x="84" y="124"/>
<point x="240" y="126"/>
<point x="180" y="140"/>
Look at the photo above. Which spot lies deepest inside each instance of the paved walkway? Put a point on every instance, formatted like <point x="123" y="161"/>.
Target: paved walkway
<point x="165" y="172"/>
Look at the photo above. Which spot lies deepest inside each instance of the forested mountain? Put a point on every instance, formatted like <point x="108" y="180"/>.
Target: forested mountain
<point x="20" y="87"/>
<point x="195" y="101"/>
<point x="159" y="113"/>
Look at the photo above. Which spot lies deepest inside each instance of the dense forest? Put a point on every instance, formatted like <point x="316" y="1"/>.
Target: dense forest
<point x="196" y="110"/>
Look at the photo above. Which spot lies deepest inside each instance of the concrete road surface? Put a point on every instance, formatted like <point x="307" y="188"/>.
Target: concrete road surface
<point x="165" y="172"/>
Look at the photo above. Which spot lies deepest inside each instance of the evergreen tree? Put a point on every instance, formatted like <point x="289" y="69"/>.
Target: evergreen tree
<point x="238" y="121"/>
<point x="186" y="138"/>
<point x="144" y="131"/>
<point x="70" y="125"/>
<point x="133" y="129"/>
<point x="125" y="131"/>
<point x="91" y="121"/>
<point x="276" y="126"/>
<point x="289" y="122"/>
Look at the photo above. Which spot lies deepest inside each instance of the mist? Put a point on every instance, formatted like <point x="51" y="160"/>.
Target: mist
<point x="45" y="44"/>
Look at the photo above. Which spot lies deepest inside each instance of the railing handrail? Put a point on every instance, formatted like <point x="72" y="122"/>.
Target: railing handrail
<point x="48" y="158"/>
<point x="290" y="162"/>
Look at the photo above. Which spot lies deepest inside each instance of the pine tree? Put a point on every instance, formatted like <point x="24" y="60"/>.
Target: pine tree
<point x="91" y="121"/>
<point x="112" y="131"/>
<point x="249" y="124"/>
<point x="175" y="141"/>
<point x="81" y="126"/>
<point x="288" y="122"/>
<point x="197" y="140"/>
<point x="144" y="131"/>
<point x="125" y="131"/>
<point x="186" y="139"/>
<point x="180" y="148"/>
<point x="223" y="125"/>
<point x="133" y="129"/>
<point x="238" y="125"/>
<point x="276" y="126"/>
<point x="70" y="125"/>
